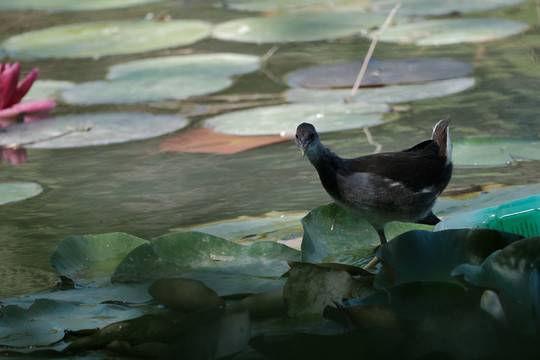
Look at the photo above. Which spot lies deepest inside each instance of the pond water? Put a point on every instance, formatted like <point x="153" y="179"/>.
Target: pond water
<point x="135" y="188"/>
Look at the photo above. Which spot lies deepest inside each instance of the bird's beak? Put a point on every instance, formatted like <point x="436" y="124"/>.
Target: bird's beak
<point x="304" y="146"/>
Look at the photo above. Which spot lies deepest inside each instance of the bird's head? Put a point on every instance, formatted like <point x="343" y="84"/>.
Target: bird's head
<point x="306" y="137"/>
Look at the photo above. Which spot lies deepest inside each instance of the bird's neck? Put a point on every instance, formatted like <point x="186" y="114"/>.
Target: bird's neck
<point x="326" y="163"/>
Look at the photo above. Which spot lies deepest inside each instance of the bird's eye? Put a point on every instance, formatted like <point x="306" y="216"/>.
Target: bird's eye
<point x="296" y="136"/>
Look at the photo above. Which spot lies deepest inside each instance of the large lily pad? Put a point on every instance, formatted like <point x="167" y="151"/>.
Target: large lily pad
<point x="144" y="89"/>
<point x="272" y="226"/>
<point x="332" y="234"/>
<point x="46" y="89"/>
<point x="92" y="259"/>
<point x="11" y="192"/>
<point x="494" y="151"/>
<point x="68" y="5"/>
<point x="296" y="27"/>
<point x="105" y="38"/>
<point x="90" y="130"/>
<point x="217" y="262"/>
<point x="213" y="64"/>
<point x="385" y="94"/>
<point x="272" y="5"/>
<point x="283" y="119"/>
<point x="442" y="7"/>
<point x="379" y="72"/>
<point x="452" y="31"/>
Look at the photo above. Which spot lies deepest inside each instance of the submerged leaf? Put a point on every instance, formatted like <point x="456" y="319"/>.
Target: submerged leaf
<point x="207" y="141"/>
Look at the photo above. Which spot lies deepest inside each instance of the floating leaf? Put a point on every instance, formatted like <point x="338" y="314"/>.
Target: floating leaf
<point x="442" y="7"/>
<point x="213" y="64"/>
<point x="494" y="151"/>
<point x="46" y="89"/>
<point x="272" y="5"/>
<point x="11" y="192"/>
<point x="217" y="262"/>
<point x="46" y="320"/>
<point x="332" y="234"/>
<point x="296" y="27"/>
<point x="144" y="89"/>
<point x="385" y="94"/>
<point x="283" y="119"/>
<point x="68" y="5"/>
<point x="92" y="259"/>
<point x="273" y="226"/>
<point x="379" y="72"/>
<point x="207" y="141"/>
<point x="105" y="38"/>
<point x="431" y="256"/>
<point x="90" y="130"/>
<point x="452" y="31"/>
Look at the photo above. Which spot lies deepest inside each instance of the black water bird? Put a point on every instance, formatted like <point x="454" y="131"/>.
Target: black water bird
<point x="384" y="187"/>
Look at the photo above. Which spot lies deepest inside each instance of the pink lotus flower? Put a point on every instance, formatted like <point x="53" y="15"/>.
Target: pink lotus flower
<point x="13" y="111"/>
<point x="12" y="92"/>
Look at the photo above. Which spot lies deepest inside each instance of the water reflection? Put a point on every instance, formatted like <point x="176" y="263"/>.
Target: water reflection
<point x="137" y="189"/>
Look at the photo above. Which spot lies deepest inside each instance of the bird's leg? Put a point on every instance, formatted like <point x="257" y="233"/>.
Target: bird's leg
<point x="375" y="259"/>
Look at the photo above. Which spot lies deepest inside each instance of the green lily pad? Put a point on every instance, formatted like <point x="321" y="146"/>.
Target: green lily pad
<point x="92" y="259"/>
<point x="90" y="130"/>
<point x="283" y="119"/>
<point x="431" y="256"/>
<point x="452" y="31"/>
<point x="68" y="5"/>
<point x="214" y="261"/>
<point x="105" y="38"/>
<point x="296" y="27"/>
<point x="271" y="5"/>
<point x="494" y="151"/>
<point x="11" y="192"/>
<point x="379" y="72"/>
<point x="144" y="89"/>
<point x="385" y="94"/>
<point x="46" y="89"/>
<point x="442" y="7"/>
<point x="332" y="234"/>
<point x="213" y="64"/>
<point x="272" y="226"/>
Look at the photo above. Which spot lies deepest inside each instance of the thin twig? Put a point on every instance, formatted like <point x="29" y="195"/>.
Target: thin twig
<point x="269" y="53"/>
<point x="378" y="147"/>
<point x="370" y="52"/>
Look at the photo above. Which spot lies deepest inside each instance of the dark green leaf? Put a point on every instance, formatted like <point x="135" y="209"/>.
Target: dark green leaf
<point x="92" y="259"/>
<point x="431" y="256"/>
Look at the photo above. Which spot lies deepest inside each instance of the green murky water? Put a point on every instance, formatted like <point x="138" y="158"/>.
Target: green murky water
<point x="135" y="189"/>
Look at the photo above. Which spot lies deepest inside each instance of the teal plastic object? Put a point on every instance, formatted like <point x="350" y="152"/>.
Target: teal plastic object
<point x="519" y="217"/>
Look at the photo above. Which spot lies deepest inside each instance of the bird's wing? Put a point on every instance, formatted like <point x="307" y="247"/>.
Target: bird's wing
<point x="417" y="168"/>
